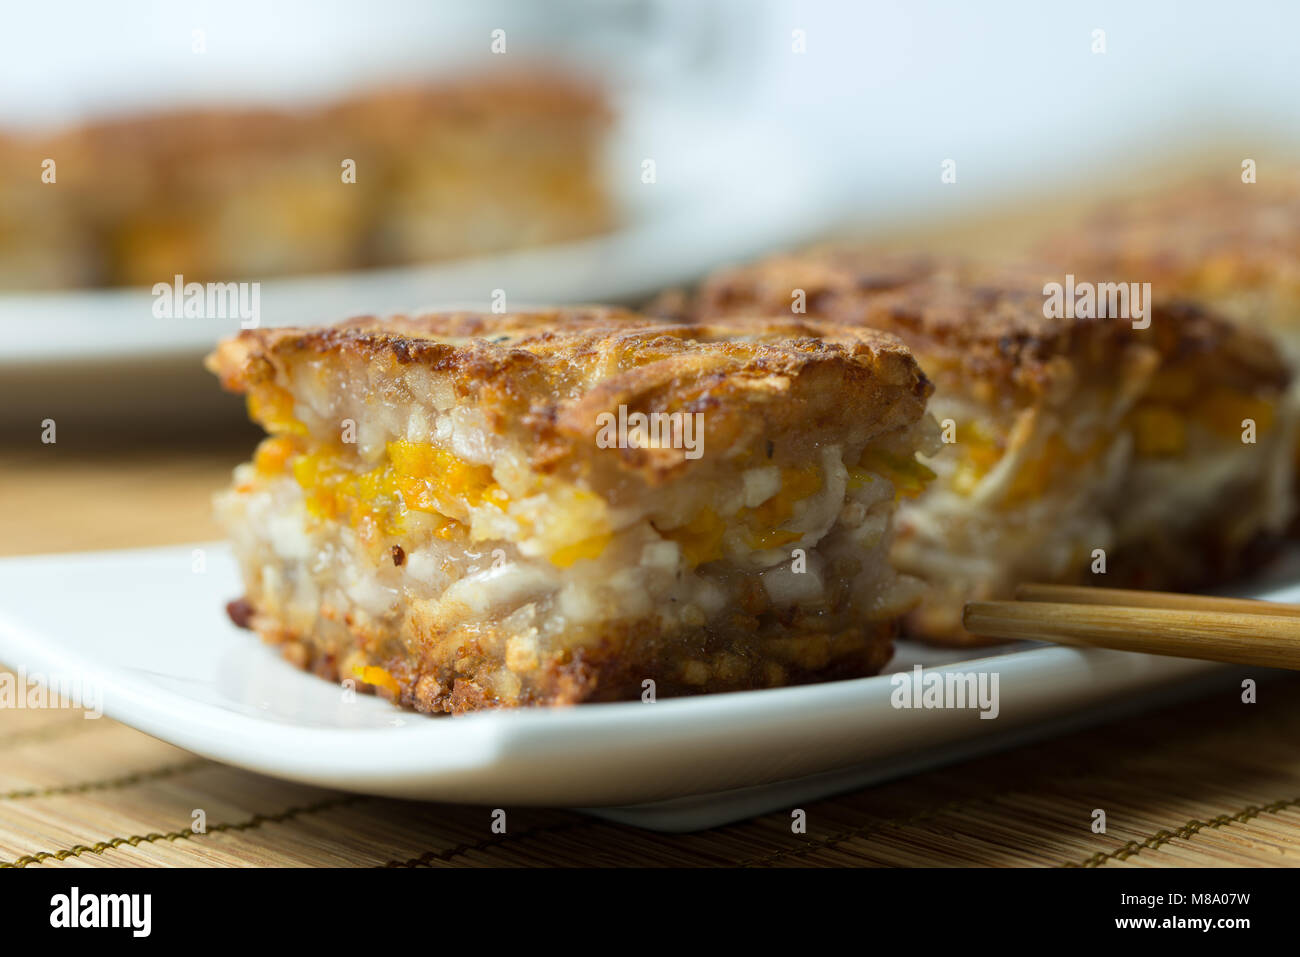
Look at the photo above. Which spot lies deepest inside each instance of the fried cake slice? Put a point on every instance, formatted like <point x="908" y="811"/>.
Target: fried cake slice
<point x="466" y="511"/>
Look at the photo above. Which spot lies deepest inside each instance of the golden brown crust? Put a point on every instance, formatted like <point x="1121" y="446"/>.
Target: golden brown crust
<point x="1208" y="237"/>
<point x="567" y="339"/>
<point x="983" y="322"/>
<point x="454" y="674"/>
<point x="542" y="378"/>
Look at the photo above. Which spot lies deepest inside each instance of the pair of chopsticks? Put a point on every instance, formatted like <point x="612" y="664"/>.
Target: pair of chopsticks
<point x="1237" y="630"/>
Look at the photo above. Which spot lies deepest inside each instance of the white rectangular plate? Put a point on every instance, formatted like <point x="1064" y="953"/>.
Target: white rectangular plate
<point x="149" y="632"/>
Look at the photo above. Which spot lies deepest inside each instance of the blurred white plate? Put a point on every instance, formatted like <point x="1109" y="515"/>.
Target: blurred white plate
<point x="722" y="193"/>
<point x="153" y="637"/>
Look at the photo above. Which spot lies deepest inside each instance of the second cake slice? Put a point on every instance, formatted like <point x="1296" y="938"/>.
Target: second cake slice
<point x="1147" y="451"/>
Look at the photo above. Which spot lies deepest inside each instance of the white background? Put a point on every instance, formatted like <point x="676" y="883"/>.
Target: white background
<point x="885" y="92"/>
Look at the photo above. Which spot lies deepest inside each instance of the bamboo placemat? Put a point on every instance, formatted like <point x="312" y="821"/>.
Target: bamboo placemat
<point x="1214" y="782"/>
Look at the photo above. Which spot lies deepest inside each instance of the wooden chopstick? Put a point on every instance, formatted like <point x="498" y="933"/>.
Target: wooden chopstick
<point x="1183" y="631"/>
<point x="1088" y="595"/>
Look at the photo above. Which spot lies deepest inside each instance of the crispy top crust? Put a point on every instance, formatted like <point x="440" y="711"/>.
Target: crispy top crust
<point x="542" y="378"/>
<point x="1194" y="237"/>
<point x="978" y="321"/>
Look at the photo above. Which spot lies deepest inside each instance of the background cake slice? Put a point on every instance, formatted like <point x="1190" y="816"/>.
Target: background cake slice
<point x="447" y="168"/>
<point x="1230" y="245"/>
<point x="1079" y="449"/>
<point x="467" y="511"/>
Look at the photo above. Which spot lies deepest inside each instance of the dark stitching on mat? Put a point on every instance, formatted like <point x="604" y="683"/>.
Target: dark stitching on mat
<point x="1186" y="832"/>
<point x="428" y="857"/>
<point x="135" y="777"/>
<point x="257" y="820"/>
<point x="919" y="818"/>
<point x="862" y="829"/>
